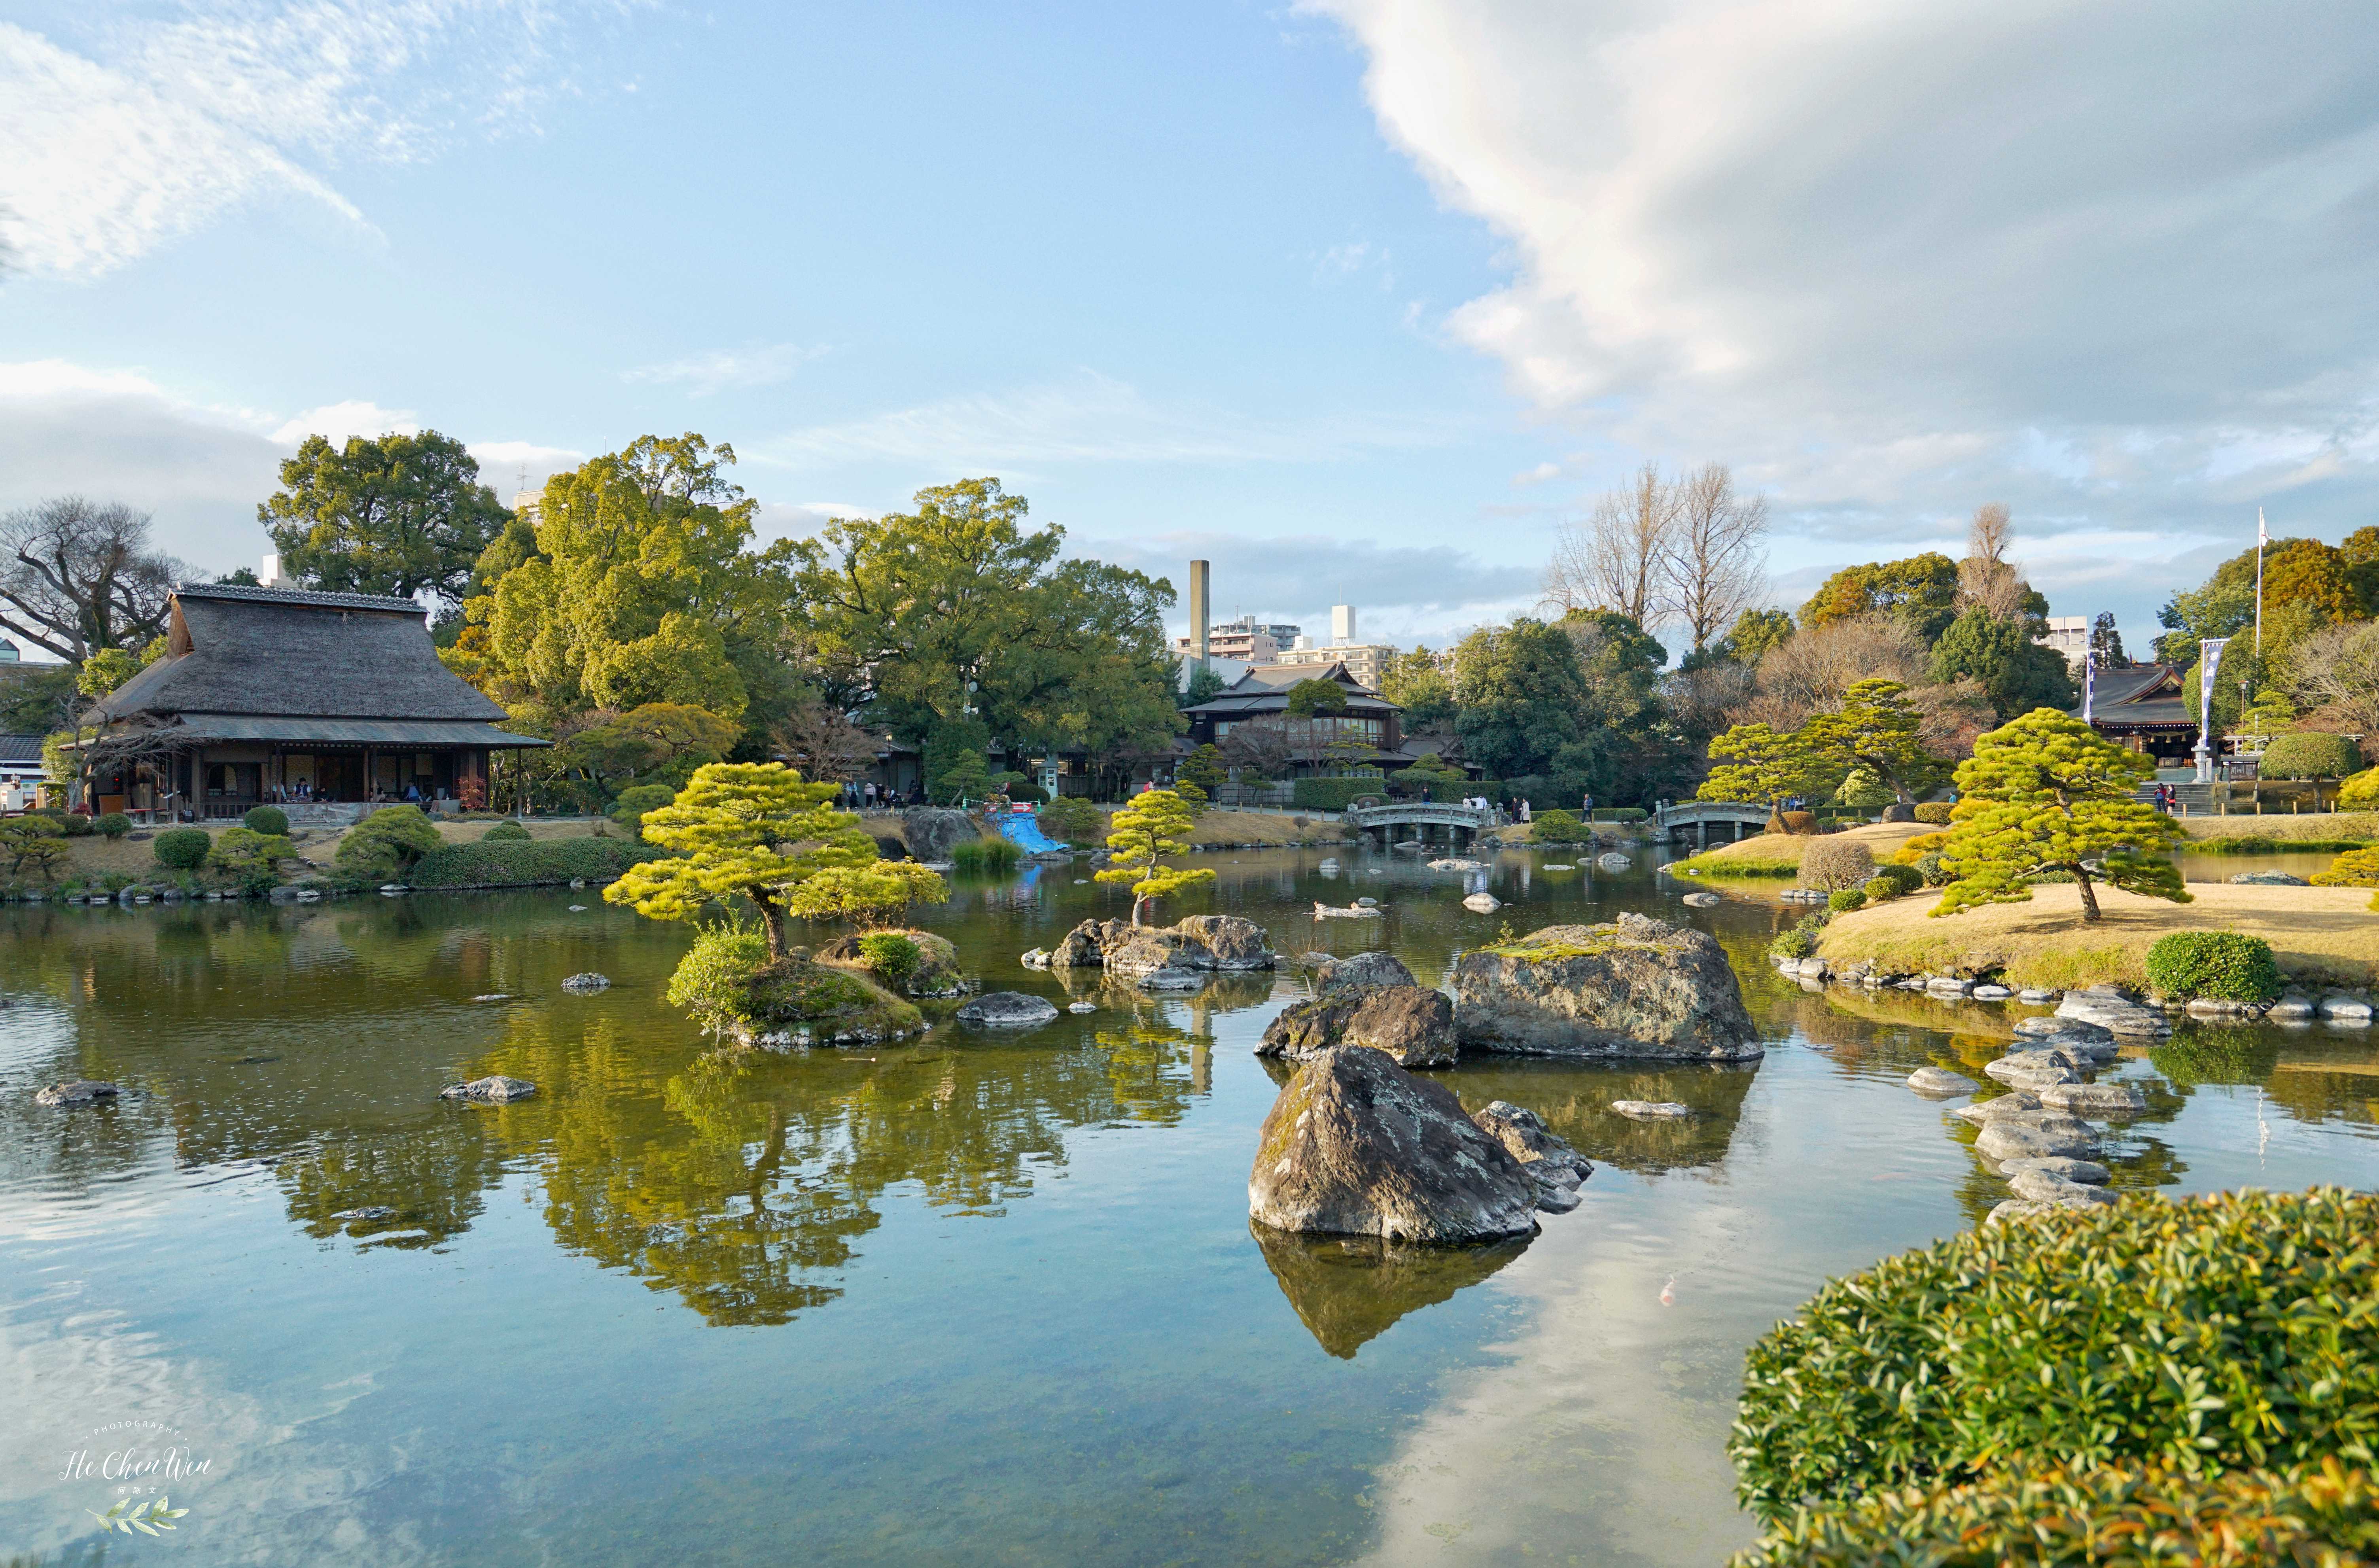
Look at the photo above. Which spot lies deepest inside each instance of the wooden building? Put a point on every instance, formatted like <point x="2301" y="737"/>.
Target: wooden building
<point x="1262" y="696"/>
<point x="2140" y="707"/>
<point x="279" y="695"/>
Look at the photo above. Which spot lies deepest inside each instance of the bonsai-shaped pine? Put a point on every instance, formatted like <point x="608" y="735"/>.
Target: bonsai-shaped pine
<point x="1140" y="832"/>
<point x="1874" y="732"/>
<point x="757" y="831"/>
<point x="1760" y="767"/>
<point x="2044" y="793"/>
<point x="1206" y="768"/>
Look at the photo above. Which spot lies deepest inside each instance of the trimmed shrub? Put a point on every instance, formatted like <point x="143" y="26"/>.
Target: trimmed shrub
<point x="1027" y="792"/>
<point x="1841" y="900"/>
<point x="1836" y="862"/>
<point x="533" y="864"/>
<point x="1799" y="821"/>
<point x="629" y="810"/>
<point x="2310" y="754"/>
<point x="986" y="854"/>
<point x="1930" y="867"/>
<point x="1557" y="827"/>
<point x="75" y="825"/>
<point x="2207" y="1334"/>
<point x="181" y="849"/>
<point x="250" y="860"/>
<point x="115" y="825"/>
<point x="1935" y="811"/>
<point x="1620" y="813"/>
<point x="713" y="982"/>
<point x="1799" y="941"/>
<point x="507" y="832"/>
<point x="271" y="821"/>
<point x="2360" y="790"/>
<point x="893" y="956"/>
<point x="1333" y="794"/>
<point x="2222" y="964"/>
<point x="1876" y="890"/>
<point x="2244" y="1519"/>
<point x="1900" y="879"/>
<point x="2355" y="868"/>
<point x="387" y="842"/>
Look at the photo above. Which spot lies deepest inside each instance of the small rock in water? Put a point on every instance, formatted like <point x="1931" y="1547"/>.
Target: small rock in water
<point x="1991" y="992"/>
<point x="493" y="996"/>
<point x="1702" y="900"/>
<point x="2042" y="1188"/>
<point x="1082" y="1006"/>
<point x="2008" y="1139"/>
<point x="2095" y="1099"/>
<point x="1007" y="1009"/>
<point x="1941" y="1081"/>
<point x="2270" y="880"/>
<point x="76" y="1091"/>
<point x="1982" y="1113"/>
<point x="1038" y="959"/>
<point x="577" y="909"/>
<point x="588" y="984"/>
<point x="2089" y="1173"/>
<point x="1613" y="860"/>
<point x="369" y="1212"/>
<point x="1482" y="903"/>
<point x="494" y="1089"/>
<point x="1564" y="866"/>
<point x="2033" y="996"/>
<point x="1651" y="1110"/>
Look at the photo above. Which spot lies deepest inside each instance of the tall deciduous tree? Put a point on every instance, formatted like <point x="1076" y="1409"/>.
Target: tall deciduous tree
<point x="2046" y="793"/>
<point x="78" y="576"/>
<point x="1617" y="557"/>
<point x="388" y="514"/>
<point x="1717" y="565"/>
<point x="817" y="738"/>
<point x="1155" y="823"/>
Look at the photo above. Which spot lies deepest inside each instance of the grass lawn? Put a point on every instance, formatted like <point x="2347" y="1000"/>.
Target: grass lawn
<point x="2325" y="934"/>
<point x="94" y="856"/>
<point x="1779" y="854"/>
<point x="1226" y="825"/>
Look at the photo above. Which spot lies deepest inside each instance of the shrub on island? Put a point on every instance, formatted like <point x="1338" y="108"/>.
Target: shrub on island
<point x="1557" y="827"/>
<point x="250" y="860"/>
<point x="181" y="849"/>
<point x="2222" y="965"/>
<point x="271" y="821"/>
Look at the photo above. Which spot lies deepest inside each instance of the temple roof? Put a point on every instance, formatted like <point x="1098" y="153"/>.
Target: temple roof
<point x="1264" y="689"/>
<point x="2137" y="696"/>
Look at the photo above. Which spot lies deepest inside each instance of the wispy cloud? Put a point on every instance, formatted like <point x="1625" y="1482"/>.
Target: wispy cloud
<point x="760" y="364"/>
<point x="1091" y="418"/>
<point x="148" y="128"/>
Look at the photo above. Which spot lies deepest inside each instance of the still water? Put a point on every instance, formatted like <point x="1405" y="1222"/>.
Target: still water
<point x="971" y="1300"/>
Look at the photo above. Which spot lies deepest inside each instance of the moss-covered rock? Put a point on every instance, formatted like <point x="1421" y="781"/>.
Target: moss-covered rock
<point x="936" y="972"/>
<point x="797" y="1001"/>
<point x="1635" y="988"/>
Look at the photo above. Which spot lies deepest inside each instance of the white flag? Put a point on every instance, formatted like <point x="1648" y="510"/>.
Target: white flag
<point x="2262" y="538"/>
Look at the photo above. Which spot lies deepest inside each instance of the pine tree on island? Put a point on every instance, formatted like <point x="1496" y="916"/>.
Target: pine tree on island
<point x="1156" y="823"/>
<point x="2044" y="793"/>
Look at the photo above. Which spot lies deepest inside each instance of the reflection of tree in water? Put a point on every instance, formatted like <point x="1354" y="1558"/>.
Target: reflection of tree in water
<point x="1575" y="1101"/>
<point x="1151" y="1062"/>
<point x="434" y="1177"/>
<point x="743" y="1180"/>
<point x="1347" y="1290"/>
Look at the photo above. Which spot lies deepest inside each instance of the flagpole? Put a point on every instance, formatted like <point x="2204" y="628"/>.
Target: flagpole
<point x="2260" y="537"/>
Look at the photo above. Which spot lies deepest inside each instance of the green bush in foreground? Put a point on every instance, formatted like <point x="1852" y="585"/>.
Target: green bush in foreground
<point x="181" y="849"/>
<point x="271" y="821"/>
<point x="1557" y="827"/>
<point x="2226" y="1333"/>
<point x="1841" y="900"/>
<point x="115" y="825"/>
<point x="2355" y="868"/>
<point x="2221" y="964"/>
<point x="2125" y="1515"/>
<point x="250" y="860"/>
<point x="531" y="863"/>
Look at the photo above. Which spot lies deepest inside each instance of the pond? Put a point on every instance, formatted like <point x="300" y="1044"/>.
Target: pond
<point x="967" y="1300"/>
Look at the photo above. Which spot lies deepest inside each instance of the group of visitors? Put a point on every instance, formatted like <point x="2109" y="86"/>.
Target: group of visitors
<point x="2166" y="798"/>
<point x="293" y="794"/>
<point x="869" y="796"/>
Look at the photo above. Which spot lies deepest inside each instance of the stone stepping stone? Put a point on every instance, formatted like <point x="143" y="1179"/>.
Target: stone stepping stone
<point x="493" y="1090"/>
<point x="1982" y="1113"/>
<point x="2042" y="1188"/>
<point x="1697" y="900"/>
<point x="1482" y="903"/>
<point x="2008" y="1139"/>
<point x="1008" y="1009"/>
<point x="1652" y="1110"/>
<point x="2111" y="1009"/>
<point x="1942" y="1082"/>
<point x="2089" y="1173"/>
<point x="1991" y="992"/>
<point x="2095" y="1099"/>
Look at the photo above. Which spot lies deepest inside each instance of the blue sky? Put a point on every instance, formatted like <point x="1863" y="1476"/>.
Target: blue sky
<point x="1359" y="299"/>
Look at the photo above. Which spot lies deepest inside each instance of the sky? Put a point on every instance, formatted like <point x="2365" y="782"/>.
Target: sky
<point x="1359" y="299"/>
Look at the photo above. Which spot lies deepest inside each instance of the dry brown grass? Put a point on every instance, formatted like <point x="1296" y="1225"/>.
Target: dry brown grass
<point x="2324" y="933"/>
<point x="1783" y="849"/>
<point x="2363" y="825"/>
<point x="1222" y="825"/>
<point x="94" y="856"/>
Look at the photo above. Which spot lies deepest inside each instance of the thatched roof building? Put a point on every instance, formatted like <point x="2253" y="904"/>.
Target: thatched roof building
<point x="276" y="693"/>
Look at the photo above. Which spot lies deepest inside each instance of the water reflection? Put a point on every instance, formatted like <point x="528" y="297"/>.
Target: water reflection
<point x="1347" y="1290"/>
<point x="1576" y="1103"/>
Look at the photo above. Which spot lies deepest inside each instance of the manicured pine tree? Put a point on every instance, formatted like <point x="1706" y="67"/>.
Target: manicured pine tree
<point x="1155" y="823"/>
<point x="1759" y="765"/>
<point x="2046" y="793"/>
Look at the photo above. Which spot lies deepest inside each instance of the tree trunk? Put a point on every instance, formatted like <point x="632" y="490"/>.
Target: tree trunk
<point x="2089" y="896"/>
<point x="1136" y="905"/>
<point x="772" y="919"/>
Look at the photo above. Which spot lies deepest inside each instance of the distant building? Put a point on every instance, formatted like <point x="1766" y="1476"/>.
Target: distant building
<point x="9" y="652"/>
<point x="1367" y="662"/>
<point x="1262" y="696"/>
<point x="2069" y="634"/>
<point x="2141" y="707"/>
<point x="22" y="774"/>
<point x="1246" y="640"/>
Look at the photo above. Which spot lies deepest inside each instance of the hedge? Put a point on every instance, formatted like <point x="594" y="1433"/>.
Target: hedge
<point x="2244" y="1519"/>
<point x="2222" y="964"/>
<point x="1333" y="794"/>
<point x="529" y="865"/>
<point x="2223" y="1333"/>
<point x="1934" y="811"/>
<point x="1620" y="813"/>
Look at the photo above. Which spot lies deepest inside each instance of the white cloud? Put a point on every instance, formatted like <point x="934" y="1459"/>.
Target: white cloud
<point x="760" y="364"/>
<point x="1086" y="418"/>
<point x="1538" y="475"/>
<point x="2108" y="265"/>
<point x="800" y="519"/>
<point x="148" y="126"/>
<point x="338" y="421"/>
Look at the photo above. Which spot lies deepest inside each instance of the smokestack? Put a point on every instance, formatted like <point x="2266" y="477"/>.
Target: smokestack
<point x="1200" y="609"/>
<point x="1342" y="624"/>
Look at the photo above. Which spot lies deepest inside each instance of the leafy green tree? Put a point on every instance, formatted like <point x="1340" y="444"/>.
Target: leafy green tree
<point x="658" y="743"/>
<point x="2327" y="582"/>
<point x="1875" y="734"/>
<point x="1420" y="684"/>
<point x="1155" y="824"/>
<point x="1921" y="591"/>
<point x="391" y="514"/>
<point x="2046" y="793"/>
<point x="956" y="610"/>
<point x="2017" y="673"/>
<point x="36" y="699"/>
<point x="1314" y="699"/>
<point x="1754" y="633"/>
<point x="107" y="668"/>
<point x="1203" y="686"/>
<point x="753" y="830"/>
<point x="874" y="894"/>
<point x="1519" y="695"/>
<point x="1206" y="768"/>
<point x="966" y="777"/>
<point x="1759" y="767"/>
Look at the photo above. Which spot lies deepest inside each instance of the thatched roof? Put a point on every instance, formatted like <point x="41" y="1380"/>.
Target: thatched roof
<point x="282" y="653"/>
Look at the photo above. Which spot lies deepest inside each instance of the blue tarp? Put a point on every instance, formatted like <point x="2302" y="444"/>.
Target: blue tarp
<point x="1025" y="829"/>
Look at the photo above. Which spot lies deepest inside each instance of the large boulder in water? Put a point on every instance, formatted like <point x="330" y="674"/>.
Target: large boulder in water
<point x="936" y="974"/>
<point x="1361" y="969"/>
<point x="1200" y="942"/>
<point x="935" y="832"/>
<point x="1635" y="988"/>
<point x="1414" y="1026"/>
<point x="1356" y="1146"/>
<point x="1224" y="941"/>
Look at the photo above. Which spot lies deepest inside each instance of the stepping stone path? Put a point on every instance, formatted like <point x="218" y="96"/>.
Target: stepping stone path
<point x="2089" y="1173"/>
<point x="2035" y="1070"/>
<point x="2110" y="1008"/>
<point x="1941" y="1081"/>
<point x="2011" y="1138"/>
<point x="2041" y="1187"/>
<point x="2095" y="1099"/>
<point x="1982" y="1113"/>
<point x="1652" y="1110"/>
<point x="1991" y="992"/>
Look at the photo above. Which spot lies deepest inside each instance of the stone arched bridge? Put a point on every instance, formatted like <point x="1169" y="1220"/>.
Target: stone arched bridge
<point x="1701" y="822"/>
<point x="1420" y="819"/>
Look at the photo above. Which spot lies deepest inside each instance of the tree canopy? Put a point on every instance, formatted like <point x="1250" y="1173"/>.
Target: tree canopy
<point x="1920" y="590"/>
<point x="389" y="515"/>
<point x="2046" y="793"/>
<point x="1876" y="733"/>
<point x="1759" y="767"/>
<point x="2328" y="583"/>
<point x="78" y="576"/>
<point x="2017" y="673"/>
<point x="1155" y="823"/>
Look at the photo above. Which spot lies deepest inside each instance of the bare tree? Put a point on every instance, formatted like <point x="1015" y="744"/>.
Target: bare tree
<point x="1808" y="673"/>
<point x="2335" y="673"/>
<point x="1258" y="749"/>
<point x="1617" y="557"/>
<point x="1715" y="568"/>
<point x="76" y="577"/>
<point x="1987" y="578"/>
<point x="824" y="744"/>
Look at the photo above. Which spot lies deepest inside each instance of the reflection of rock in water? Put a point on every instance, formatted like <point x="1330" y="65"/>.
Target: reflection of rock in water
<point x="1348" y="1290"/>
<point x="1575" y="1101"/>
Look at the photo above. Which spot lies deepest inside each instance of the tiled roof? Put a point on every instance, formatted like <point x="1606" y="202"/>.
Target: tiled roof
<point x="297" y="596"/>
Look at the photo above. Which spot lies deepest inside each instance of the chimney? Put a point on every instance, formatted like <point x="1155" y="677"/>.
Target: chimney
<point x="271" y="575"/>
<point x="1200" y="607"/>
<point x="1342" y="624"/>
